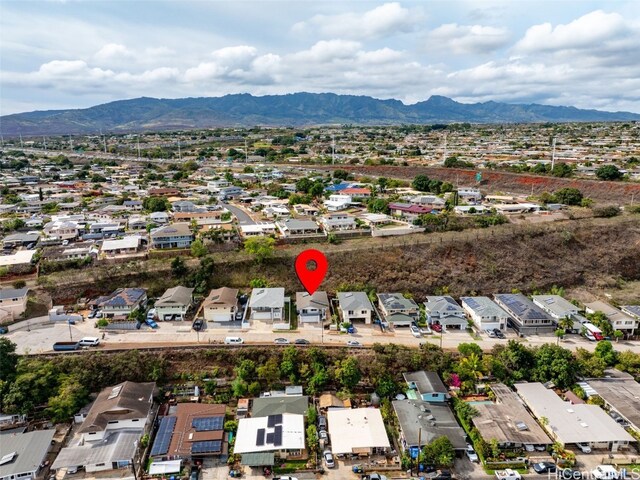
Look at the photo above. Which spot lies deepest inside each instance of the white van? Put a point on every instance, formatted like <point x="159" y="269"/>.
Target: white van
<point x="233" y="341"/>
<point x="89" y="342"/>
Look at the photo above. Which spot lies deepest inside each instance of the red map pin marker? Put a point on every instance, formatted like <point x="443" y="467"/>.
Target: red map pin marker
<point x="311" y="279"/>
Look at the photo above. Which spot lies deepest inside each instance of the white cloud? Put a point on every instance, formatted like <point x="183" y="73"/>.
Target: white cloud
<point x="113" y="51"/>
<point x="586" y="32"/>
<point x="467" y="39"/>
<point x="386" y="20"/>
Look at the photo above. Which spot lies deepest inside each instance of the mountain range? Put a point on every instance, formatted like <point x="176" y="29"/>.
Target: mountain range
<point x="297" y="109"/>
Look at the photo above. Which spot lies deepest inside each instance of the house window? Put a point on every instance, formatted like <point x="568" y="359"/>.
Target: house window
<point x="100" y="464"/>
<point x="351" y="312"/>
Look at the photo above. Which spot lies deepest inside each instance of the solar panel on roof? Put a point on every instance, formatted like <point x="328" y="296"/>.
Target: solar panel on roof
<point x="207" y="424"/>
<point x="260" y="437"/>
<point x="270" y="438"/>
<point x="277" y="436"/>
<point x="163" y="437"/>
<point x="273" y="420"/>
<point x="210" y="446"/>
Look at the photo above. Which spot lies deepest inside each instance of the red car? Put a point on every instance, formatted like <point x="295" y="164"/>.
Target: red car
<point x="436" y="327"/>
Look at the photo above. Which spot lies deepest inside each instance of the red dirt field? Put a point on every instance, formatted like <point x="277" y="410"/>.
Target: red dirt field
<point x="496" y="181"/>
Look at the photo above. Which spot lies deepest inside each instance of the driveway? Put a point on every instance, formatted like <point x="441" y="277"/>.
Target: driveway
<point x="240" y="214"/>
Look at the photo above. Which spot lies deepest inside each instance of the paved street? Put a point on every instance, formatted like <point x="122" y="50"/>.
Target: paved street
<point x="242" y="216"/>
<point x="40" y="339"/>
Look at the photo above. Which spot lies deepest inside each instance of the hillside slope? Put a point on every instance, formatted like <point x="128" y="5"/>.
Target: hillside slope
<point x="143" y="114"/>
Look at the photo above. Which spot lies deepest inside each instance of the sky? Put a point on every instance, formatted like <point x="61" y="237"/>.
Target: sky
<point x="77" y="53"/>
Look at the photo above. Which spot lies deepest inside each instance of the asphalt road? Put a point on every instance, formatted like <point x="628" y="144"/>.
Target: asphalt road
<point x="241" y="215"/>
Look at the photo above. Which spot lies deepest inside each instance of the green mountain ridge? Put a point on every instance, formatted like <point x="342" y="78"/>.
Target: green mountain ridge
<point x="297" y="109"/>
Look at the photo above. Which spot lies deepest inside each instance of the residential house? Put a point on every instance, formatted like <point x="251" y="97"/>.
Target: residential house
<point x="355" y="306"/>
<point x="159" y="218"/>
<point x="338" y="221"/>
<point x="214" y="186"/>
<point x="177" y="235"/>
<point x="569" y="424"/>
<point x="13" y="302"/>
<point x="431" y="201"/>
<point x="524" y="315"/>
<point x="507" y="421"/>
<point x="23" y="455"/>
<point x="281" y="435"/>
<point x="357" y="431"/>
<point x="422" y="422"/>
<point x="267" y="304"/>
<point x="110" y="434"/>
<point x="280" y="405"/>
<point x="621" y="395"/>
<point x="408" y="211"/>
<point x="123" y="246"/>
<point x="559" y="308"/>
<point x="174" y="303"/>
<point x="312" y="308"/>
<point x="163" y="192"/>
<point x="230" y="192"/>
<point x="258" y="229"/>
<point x="485" y="313"/>
<point x="617" y="319"/>
<point x="469" y="194"/>
<point x="137" y="222"/>
<point x="445" y="311"/>
<point x="185" y="206"/>
<point x="20" y="240"/>
<point x="337" y="202"/>
<point x="220" y="305"/>
<point x="426" y="386"/>
<point x="398" y="310"/>
<point x="122" y="302"/>
<point x="61" y="229"/>
<point x="631" y="310"/>
<point x="298" y="228"/>
<point x="356" y="192"/>
<point x="191" y="431"/>
<point x="133" y="205"/>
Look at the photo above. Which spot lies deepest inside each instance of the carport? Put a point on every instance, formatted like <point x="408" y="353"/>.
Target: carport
<point x="258" y="459"/>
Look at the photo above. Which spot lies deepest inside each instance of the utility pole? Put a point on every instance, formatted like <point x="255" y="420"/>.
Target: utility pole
<point x="179" y="152"/>
<point x="104" y="143"/>
<point x="21" y="144"/>
<point x="138" y="147"/>
<point x="246" y="152"/>
<point x="333" y="149"/>
<point x="70" y="143"/>
<point x="44" y="140"/>
<point x="553" y="153"/>
<point x="70" y="335"/>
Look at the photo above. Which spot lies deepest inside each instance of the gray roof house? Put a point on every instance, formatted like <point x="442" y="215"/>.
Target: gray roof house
<point x="355" y="306"/>
<point x="445" y="311"/>
<point x="267" y="304"/>
<point x="174" y="303"/>
<point x="525" y="316"/>
<point x="617" y="319"/>
<point x="22" y="454"/>
<point x="621" y="395"/>
<point x="422" y="422"/>
<point x="177" y="235"/>
<point x="312" y="308"/>
<point x="122" y="301"/>
<point x="426" y="386"/>
<point x="485" y="313"/>
<point x="20" y="239"/>
<point x="559" y="308"/>
<point x="298" y="228"/>
<point x="398" y="310"/>
<point x="631" y="310"/>
<point x="265" y="406"/>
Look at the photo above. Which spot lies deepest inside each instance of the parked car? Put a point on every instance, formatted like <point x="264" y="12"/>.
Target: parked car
<point x="436" y="327"/>
<point x="498" y="333"/>
<point x="425" y="330"/>
<point x="584" y="447"/>
<point x="490" y="333"/>
<point x="89" y="342"/>
<point x="301" y="341"/>
<point x="328" y="459"/>
<point x="152" y="313"/>
<point x="508" y="474"/>
<point x="471" y="454"/>
<point x="92" y="314"/>
<point x="3" y="330"/>
<point x="281" y="341"/>
<point x="605" y="472"/>
<point x="233" y="341"/>
<point x="198" y="324"/>
<point x="353" y="343"/>
<point x="415" y="331"/>
<point x="544" y="467"/>
<point x="151" y="322"/>
<point x="323" y="435"/>
<point x="286" y="477"/>
<point x="322" y="422"/>
<point x="240" y="314"/>
<point x="529" y="448"/>
<point x="194" y="475"/>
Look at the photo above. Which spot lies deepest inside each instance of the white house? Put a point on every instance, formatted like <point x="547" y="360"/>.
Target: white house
<point x="220" y="305"/>
<point x="13" y="301"/>
<point x="312" y="308"/>
<point x="337" y="202"/>
<point x="267" y="304"/>
<point x="338" y="221"/>
<point x="485" y="313"/>
<point x="22" y="455"/>
<point x="355" y="306"/>
<point x="174" y="303"/>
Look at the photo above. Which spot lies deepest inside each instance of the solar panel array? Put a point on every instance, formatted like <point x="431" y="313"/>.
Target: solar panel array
<point x="260" y="437"/>
<point x="210" y="446"/>
<point x="273" y="420"/>
<point x="208" y="424"/>
<point x="523" y="308"/>
<point x="163" y="437"/>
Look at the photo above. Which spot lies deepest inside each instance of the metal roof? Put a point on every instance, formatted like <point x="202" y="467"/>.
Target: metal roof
<point x="7" y="293"/>
<point x="354" y="301"/>
<point x="117" y="446"/>
<point x="30" y="450"/>
<point x="428" y="421"/>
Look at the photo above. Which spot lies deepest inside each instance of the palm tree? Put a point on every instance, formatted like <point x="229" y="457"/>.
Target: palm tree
<point x="473" y="365"/>
<point x="566" y="323"/>
<point x="559" y="334"/>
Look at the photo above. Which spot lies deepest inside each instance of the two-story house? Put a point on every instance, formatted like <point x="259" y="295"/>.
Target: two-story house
<point x="524" y="315"/>
<point x="485" y="313"/>
<point x="398" y="310"/>
<point x="312" y="308"/>
<point x="267" y="304"/>
<point x="338" y="221"/>
<point x="444" y="310"/>
<point x="13" y="302"/>
<point x="618" y="320"/>
<point x="177" y="235"/>
<point x="355" y="307"/>
<point x="122" y="302"/>
<point x="220" y="305"/>
<point x="174" y="303"/>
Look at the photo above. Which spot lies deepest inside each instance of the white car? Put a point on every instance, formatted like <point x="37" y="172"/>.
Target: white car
<point x="415" y="331"/>
<point x="584" y="447"/>
<point x="328" y="459"/>
<point x="529" y="448"/>
<point x="281" y="341"/>
<point x="353" y="343"/>
<point x="490" y="333"/>
<point x="471" y="454"/>
<point x="286" y="477"/>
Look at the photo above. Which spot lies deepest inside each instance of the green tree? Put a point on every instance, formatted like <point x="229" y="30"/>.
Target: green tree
<point x="312" y="438"/>
<point x="289" y="363"/>
<point x="554" y="363"/>
<point x="179" y="267"/>
<point x="341" y="174"/>
<point x="304" y="185"/>
<point x="156" y="204"/>
<point x="198" y="248"/>
<point x="312" y="415"/>
<point x="383" y="183"/>
<point x="348" y="373"/>
<point x="378" y="205"/>
<point x="72" y="395"/>
<point x="269" y="371"/>
<point x="605" y="351"/>
<point x="421" y="183"/>
<point x="562" y="170"/>
<point x="568" y="196"/>
<point x="239" y="388"/>
<point x="260" y="248"/>
<point x="467" y="349"/>
<point x="600" y="320"/>
<point x="8" y="360"/>
<point x="617" y="334"/>
<point x="245" y="370"/>
<point x="258" y="283"/>
<point x="609" y="172"/>
<point x="559" y="333"/>
<point x="439" y="452"/>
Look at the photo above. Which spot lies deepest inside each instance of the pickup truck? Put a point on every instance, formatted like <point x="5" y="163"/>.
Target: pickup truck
<point x="508" y="474"/>
<point x="65" y="346"/>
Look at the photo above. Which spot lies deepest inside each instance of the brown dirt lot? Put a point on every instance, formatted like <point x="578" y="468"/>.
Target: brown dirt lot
<point x="494" y="181"/>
